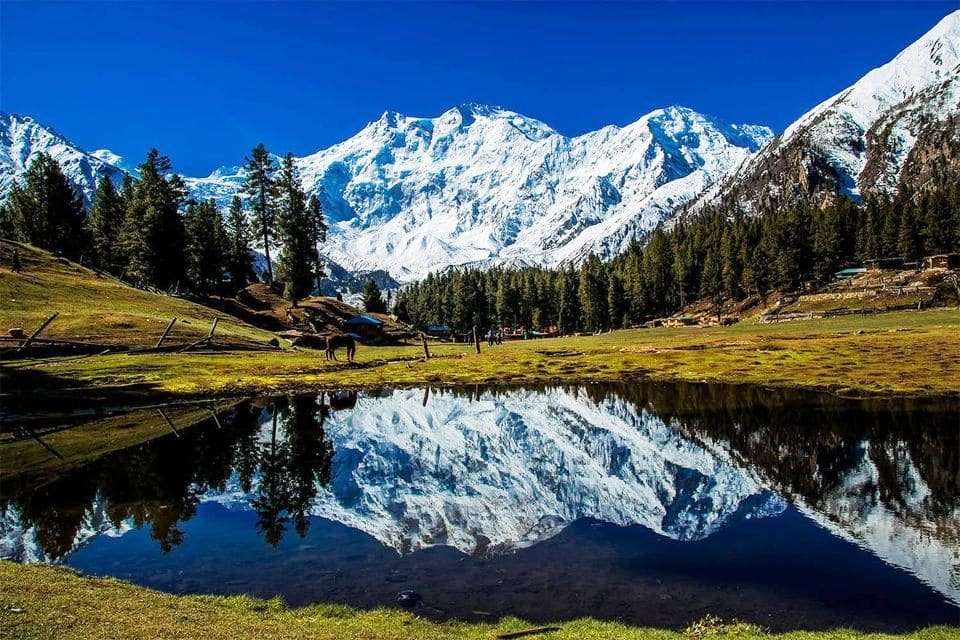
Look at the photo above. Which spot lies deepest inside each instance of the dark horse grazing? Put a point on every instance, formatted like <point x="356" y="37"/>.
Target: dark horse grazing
<point x="335" y="342"/>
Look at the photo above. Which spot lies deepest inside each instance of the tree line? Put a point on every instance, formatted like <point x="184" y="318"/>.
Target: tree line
<point x="150" y="233"/>
<point x="718" y="253"/>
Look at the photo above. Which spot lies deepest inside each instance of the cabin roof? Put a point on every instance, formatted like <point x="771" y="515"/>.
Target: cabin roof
<point x="361" y="320"/>
<point x="852" y="271"/>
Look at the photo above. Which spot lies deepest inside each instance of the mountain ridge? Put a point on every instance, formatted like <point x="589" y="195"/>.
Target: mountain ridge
<point x="480" y="184"/>
<point x="855" y="142"/>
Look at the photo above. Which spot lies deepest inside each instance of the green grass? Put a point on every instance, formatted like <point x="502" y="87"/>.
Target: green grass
<point x="905" y="353"/>
<point x="100" y="309"/>
<point x="40" y="602"/>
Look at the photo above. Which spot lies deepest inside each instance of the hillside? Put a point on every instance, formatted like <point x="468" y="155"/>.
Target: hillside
<point x="263" y="307"/>
<point x="100" y="309"/>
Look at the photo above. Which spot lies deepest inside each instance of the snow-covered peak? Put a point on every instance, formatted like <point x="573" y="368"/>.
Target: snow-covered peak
<point x="857" y="140"/>
<point x="483" y="185"/>
<point x="22" y="138"/>
<point x="932" y="59"/>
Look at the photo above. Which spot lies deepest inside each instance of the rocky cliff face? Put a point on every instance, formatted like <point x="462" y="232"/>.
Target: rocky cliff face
<point x="858" y="141"/>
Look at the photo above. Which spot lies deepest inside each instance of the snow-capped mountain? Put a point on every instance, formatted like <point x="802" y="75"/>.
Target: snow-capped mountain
<point x="476" y="185"/>
<point x="484" y="185"/>
<point x="22" y="138"/>
<point x="859" y="140"/>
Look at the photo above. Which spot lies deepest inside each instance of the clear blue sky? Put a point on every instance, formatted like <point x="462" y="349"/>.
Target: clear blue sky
<point x="205" y="82"/>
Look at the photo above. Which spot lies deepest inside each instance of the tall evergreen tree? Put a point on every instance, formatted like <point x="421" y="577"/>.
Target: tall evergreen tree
<point x="731" y="267"/>
<point x="206" y="240"/>
<point x="909" y="242"/>
<point x="373" y="298"/>
<point x="153" y="236"/>
<point x="827" y="243"/>
<point x="103" y="227"/>
<point x="298" y="255"/>
<point x="239" y="261"/>
<point x="45" y="210"/>
<point x="711" y="282"/>
<point x="568" y="313"/>
<point x="261" y="189"/>
<point x="616" y="302"/>
<point x="593" y="294"/>
<point x="318" y="227"/>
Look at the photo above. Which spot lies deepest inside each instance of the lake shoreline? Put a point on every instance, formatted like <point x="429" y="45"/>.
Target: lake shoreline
<point x="897" y="355"/>
<point x="41" y="601"/>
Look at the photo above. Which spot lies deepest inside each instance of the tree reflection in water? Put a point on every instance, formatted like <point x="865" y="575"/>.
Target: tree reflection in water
<point x="159" y="483"/>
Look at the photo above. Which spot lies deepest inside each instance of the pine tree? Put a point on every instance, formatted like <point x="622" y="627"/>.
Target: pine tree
<point x="318" y="227"/>
<point x="711" y="282"/>
<point x="295" y="232"/>
<point x="731" y="265"/>
<point x="206" y="240"/>
<point x="592" y="292"/>
<point x="827" y="241"/>
<point x="909" y="243"/>
<point x="45" y="210"/>
<point x="261" y="190"/>
<point x="568" y="307"/>
<point x="153" y="236"/>
<point x="372" y="298"/>
<point x="504" y="300"/>
<point x="104" y="225"/>
<point x="658" y="273"/>
<point x="239" y="262"/>
<point x="616" y="301"/>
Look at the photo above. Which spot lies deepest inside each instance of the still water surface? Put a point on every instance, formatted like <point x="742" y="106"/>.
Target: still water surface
<point x="650" y="504"/>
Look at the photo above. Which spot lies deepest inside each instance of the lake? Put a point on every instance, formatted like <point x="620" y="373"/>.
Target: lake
<point x="652" y="504"/>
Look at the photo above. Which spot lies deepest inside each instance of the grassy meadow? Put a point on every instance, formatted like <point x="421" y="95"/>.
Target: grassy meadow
<point x="42" y="602"/>
<point x="915" y="353"/>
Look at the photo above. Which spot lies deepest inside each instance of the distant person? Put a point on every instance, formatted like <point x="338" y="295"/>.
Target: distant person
<point x="491" y="337"/>
<point x="15" y="265"/>
<point x="500" y="335"/>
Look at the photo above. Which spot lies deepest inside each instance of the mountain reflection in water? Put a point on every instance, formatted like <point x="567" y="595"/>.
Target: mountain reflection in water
<point x="663" y="498"/>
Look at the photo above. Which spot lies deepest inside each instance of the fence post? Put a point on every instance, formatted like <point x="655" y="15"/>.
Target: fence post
<point x="166" y="331"/>
<point x="426" y="349"/>
<point x="36" y="333"/>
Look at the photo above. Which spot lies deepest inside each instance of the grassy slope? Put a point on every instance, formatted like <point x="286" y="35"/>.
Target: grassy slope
<point x="906" y="353"/>
<point x="47" y="602"/>
<point x="97" y="308"/>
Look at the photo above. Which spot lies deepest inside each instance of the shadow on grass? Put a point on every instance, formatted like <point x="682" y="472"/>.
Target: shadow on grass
<point x="27" y="387"/>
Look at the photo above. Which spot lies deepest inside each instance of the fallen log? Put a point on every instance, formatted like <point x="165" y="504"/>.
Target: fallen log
<point x="169" y="422"/>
